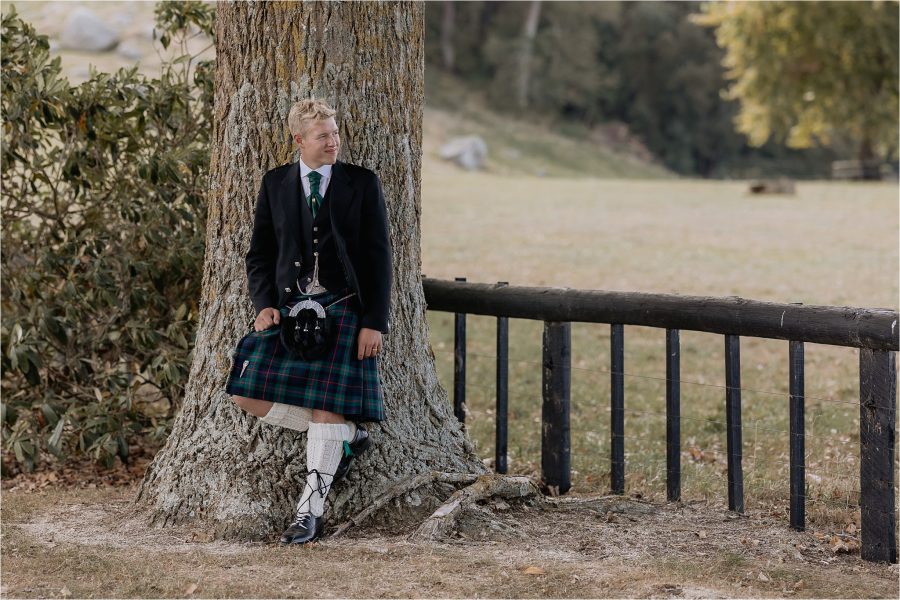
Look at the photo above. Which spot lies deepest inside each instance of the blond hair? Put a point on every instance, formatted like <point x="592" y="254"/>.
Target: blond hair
<point x="307" y="110"/>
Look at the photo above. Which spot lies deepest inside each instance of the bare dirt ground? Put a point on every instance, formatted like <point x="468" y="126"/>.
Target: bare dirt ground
<point x="64" y="542"/>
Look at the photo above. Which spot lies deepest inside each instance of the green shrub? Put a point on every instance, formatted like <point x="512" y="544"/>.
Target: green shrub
<point x="103" y="223"/>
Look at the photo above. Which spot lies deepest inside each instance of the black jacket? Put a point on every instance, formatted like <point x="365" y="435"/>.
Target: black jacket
<point x="359" y="226"/>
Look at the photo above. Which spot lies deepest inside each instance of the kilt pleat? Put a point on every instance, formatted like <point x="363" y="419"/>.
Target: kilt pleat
<point x="340" y="383"/>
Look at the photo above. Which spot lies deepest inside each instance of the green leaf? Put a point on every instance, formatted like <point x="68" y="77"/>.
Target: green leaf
<point x="49" y="414"/>
<point x="55" y="437"/>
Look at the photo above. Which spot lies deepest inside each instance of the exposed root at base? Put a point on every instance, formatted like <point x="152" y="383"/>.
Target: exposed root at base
<point x="404" y="487"/>
<point x="443" y="521"/>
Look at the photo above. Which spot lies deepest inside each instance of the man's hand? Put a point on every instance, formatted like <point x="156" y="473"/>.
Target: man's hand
<point x="369" y="343"/>
<point x="267" y="317"/>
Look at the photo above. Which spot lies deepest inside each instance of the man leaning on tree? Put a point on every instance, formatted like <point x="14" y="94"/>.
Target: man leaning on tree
<point x="320" y="232"/>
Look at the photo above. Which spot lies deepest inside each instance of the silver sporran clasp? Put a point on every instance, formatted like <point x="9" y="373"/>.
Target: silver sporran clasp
<point x="311" y="304"/>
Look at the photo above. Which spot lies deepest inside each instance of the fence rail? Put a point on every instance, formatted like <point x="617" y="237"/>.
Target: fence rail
<point x="873" y="331"/>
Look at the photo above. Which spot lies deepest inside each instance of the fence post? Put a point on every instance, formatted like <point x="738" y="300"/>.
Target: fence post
<point x="459" y="364"/>
<point x="555" y="435"/>
<point x="617" y="408"/>
<point x="673" y="416"/>
<point x="798" y="437"/>
<point x="877" y="422"/>
<point x="733" y="422"/>
<point x="500" y="445"/>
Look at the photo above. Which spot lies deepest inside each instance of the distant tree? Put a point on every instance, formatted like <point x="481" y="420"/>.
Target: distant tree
<point x="526" y="50"/>
<point x="670" y="81"/>
<point x="809" y="71"/>
<point x="643" y="64"/>
<point x="448" y="27"/>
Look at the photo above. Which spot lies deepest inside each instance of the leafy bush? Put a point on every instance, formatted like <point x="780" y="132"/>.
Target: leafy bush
<point x="103" y="223"/>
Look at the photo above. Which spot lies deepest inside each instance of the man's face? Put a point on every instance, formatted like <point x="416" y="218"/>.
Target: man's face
<point x="319" y="143"/>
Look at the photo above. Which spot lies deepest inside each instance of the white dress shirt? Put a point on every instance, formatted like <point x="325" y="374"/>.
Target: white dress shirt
<point x="324" y="171"/>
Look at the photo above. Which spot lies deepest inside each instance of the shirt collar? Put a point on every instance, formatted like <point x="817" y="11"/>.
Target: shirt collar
<point x="324" y="170"/>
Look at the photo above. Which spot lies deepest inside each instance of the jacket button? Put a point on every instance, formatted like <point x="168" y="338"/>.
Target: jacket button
<point x="315" y="228"/>
<point x="296" y="263"/>
<point x="316" y="241"/>
<point x="287" y="289"/>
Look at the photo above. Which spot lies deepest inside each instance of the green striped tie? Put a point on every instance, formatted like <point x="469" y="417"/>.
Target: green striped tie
<point x="315" y="200"/>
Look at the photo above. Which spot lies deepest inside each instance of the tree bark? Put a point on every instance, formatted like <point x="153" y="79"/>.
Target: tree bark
<point x="220" y="466"/>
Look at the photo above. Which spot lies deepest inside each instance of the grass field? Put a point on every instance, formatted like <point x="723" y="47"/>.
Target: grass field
<point x="831" y="244"/>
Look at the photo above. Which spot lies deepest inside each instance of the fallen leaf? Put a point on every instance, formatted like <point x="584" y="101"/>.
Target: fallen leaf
<point x="838" y="546"/>
<point x="201" y="536"/>
<point x="190" y="589"/>
<point x="762" y="577"/>
<point x="533" y="571"/>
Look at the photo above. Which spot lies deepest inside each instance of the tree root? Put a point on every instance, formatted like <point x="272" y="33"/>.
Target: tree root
<point x="443" y="520"/>
<point x="403" y="487"/>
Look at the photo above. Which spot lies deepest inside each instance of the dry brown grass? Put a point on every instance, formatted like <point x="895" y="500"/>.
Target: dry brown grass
<point x="86" y="543"/>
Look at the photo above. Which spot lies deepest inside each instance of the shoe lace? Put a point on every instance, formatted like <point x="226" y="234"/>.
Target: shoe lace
<point x="321" y="486"/>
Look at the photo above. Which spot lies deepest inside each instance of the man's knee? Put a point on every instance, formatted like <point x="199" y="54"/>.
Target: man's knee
<point x="243" y="402"/>
<point x="257" y="408"/>
<point x="324" y="416"/>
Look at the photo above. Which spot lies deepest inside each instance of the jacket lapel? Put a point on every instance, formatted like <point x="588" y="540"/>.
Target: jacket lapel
<point x="297" y="216"/>
<point x="340" y="190"/>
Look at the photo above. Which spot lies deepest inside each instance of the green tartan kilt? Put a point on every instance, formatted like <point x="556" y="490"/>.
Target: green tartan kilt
<point x="339" y="383"/>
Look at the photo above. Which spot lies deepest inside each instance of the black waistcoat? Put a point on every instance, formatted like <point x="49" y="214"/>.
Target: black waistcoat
<point x="319" y="238"/>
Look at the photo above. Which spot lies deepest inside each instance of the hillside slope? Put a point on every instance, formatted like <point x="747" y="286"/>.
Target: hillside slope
<point x="519" y="146"/>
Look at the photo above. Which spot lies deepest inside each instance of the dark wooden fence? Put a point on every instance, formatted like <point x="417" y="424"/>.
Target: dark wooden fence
<point x="873" y="331"/>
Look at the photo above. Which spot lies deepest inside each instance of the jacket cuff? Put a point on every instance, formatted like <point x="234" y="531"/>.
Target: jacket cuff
<point x="261" y="303"/>
<point x="372" y="322"/>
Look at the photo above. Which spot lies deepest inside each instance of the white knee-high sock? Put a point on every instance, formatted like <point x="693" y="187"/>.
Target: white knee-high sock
<point x="324" y="449"/>
<point x="287" y="415"/>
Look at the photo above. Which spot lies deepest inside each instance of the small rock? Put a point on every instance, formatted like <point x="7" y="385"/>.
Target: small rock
<point x="85" y="31"/>
<point x="469" y="152"/>
<point x="762" y="577"/>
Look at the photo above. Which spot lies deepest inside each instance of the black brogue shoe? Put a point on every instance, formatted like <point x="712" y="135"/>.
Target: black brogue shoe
<point x="306" y="528"/>
<point x="359" y="444"/>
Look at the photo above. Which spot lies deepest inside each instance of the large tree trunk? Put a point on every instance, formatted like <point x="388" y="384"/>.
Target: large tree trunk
<point x="221" y="466"/>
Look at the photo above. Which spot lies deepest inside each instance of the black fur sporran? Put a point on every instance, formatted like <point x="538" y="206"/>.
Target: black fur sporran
<point x="307" y="331"/>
